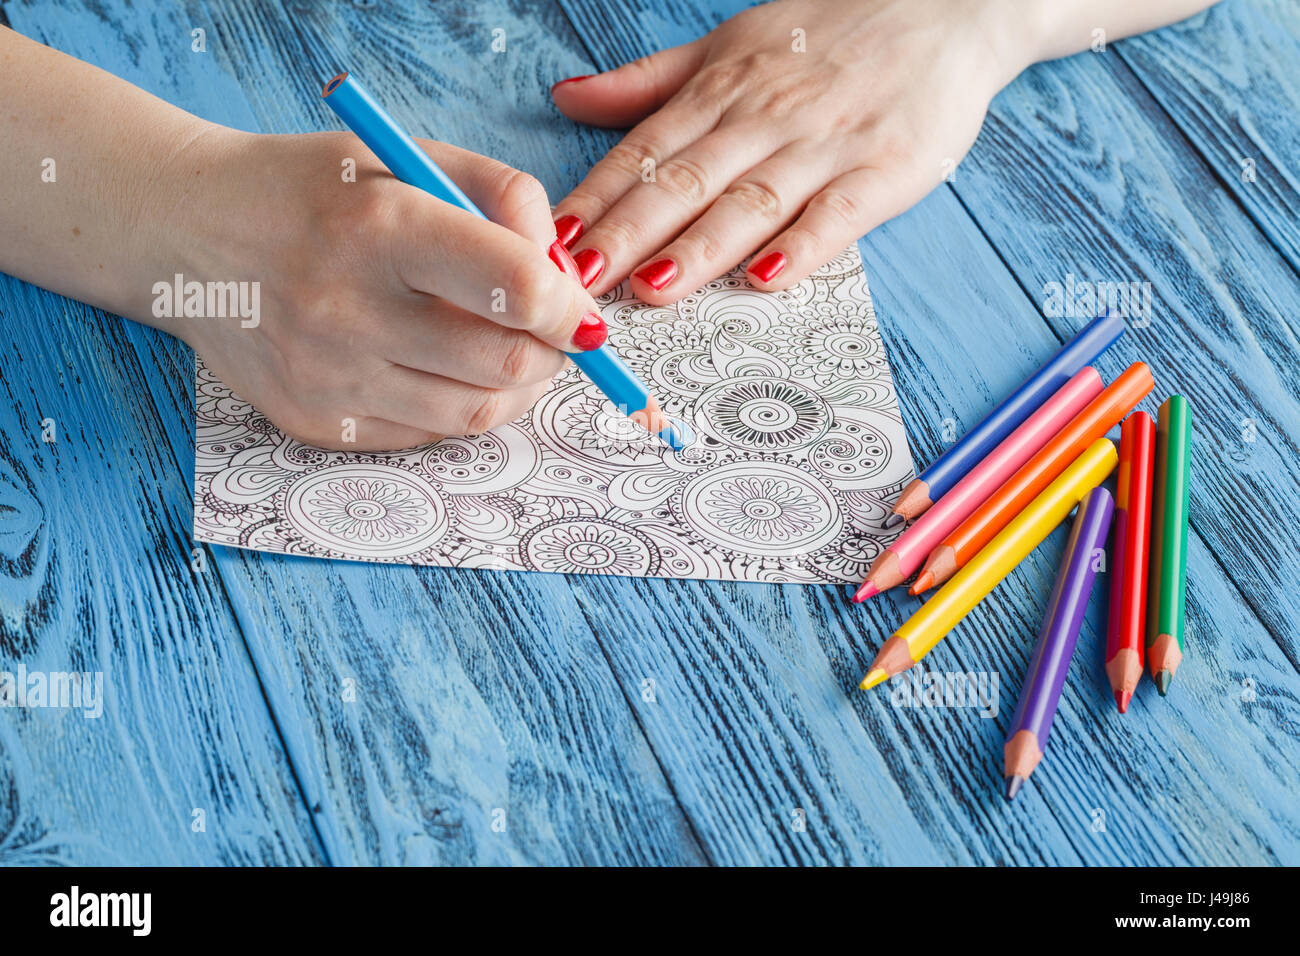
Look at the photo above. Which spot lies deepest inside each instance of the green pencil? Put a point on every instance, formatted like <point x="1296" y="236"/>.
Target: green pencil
<point x="1168" y="575"/>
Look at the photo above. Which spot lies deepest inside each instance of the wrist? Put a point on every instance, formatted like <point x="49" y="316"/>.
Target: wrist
<point x="188" y="221"/>
<point x="1017" y="33"/>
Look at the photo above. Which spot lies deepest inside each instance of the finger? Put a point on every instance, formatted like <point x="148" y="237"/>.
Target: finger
<point x="379" y="434"/>
<point x="844" y="211"/>
<point x="364" y="433"/>
<point x="507" y="196"/>
<point x="651" y="214"/>
<point x="634" y="160"/>
<point x="492" y="272"/>
<point x="623" y="96"/>
<point x="442" y="406"/>
<point x="436" y="337"/>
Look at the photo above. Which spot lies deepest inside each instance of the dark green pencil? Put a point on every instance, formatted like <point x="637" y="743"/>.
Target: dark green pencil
<point x="1168" y="575"/>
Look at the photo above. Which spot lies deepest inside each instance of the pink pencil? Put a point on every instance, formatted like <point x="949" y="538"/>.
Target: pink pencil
<point x="901" y="559"/>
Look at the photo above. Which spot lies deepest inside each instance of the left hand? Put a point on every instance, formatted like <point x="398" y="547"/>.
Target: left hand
<point x="794" y="128"/>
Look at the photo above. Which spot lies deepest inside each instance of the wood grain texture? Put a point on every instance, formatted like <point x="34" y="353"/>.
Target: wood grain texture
<point x="616" y="720"/>
<point x="96" y="576"/>
<point x="1228" y="81"/>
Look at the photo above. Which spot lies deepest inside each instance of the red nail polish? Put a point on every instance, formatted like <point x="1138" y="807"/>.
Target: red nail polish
<point x="591" y="332"/>
<point x="563" y="261"/>
<point x="572" y="79"/>
<point x="591" y="264"/>
<point x="767" y="268"/>
<point x="568" y="229"/>
<point x="657" y="274"/>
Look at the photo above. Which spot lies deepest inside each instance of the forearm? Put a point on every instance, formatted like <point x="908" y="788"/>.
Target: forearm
<point x="93" y="204"/>
<point x="1063" y="27"/>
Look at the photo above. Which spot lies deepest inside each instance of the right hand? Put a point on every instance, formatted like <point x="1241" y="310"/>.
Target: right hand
<point x="379" y="304"/>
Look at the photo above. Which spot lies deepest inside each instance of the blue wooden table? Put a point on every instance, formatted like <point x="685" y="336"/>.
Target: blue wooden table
<point x="262" y="709"/>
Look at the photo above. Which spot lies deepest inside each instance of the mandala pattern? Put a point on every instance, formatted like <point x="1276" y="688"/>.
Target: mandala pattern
<point x="800" y="452"/>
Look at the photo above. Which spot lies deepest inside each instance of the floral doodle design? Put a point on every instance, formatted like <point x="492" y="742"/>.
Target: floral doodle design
<point x="800" y="451"/>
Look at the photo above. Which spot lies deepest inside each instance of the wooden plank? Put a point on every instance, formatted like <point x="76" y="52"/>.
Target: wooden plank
<point x="756" y="714"/>
<point x="97" y="577"/>
<point x="1230" y="81"/>
<point x="1072" y="198"/>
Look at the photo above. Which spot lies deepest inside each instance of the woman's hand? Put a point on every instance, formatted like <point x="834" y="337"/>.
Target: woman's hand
<point x="372" y="316"/>
<point x="792" y="129"/>
<point x="387" y="319"/>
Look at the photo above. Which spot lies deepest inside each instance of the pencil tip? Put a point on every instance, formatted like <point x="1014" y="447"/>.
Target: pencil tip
<point x="878" y="675"/>
<point x="677" y="435"/>
<point x="922" y="583"/>
<point x="1014" y="783"/>
<point x="866" y="590"/>
<point x="1163" y="680"/>
<point x="1121" y="699"/>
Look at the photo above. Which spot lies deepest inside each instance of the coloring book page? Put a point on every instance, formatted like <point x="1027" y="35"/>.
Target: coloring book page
<point x="799" y="455"/>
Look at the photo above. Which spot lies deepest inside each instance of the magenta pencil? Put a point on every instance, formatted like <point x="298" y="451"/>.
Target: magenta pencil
<point x="902" y="558"/>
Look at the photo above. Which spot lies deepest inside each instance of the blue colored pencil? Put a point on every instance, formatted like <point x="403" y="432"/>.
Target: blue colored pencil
<point x="949" y="468"/>
<point x="412" y="165"/>
<point x="1041" y="692"/>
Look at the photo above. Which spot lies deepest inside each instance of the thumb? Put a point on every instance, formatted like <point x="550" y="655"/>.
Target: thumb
<point x="623" y="97"/>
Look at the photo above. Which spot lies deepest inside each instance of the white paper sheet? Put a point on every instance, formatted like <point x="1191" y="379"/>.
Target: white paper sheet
<point x="800" y="455"/>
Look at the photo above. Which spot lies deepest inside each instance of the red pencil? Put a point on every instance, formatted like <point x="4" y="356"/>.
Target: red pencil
<point x="1125" y="628"/>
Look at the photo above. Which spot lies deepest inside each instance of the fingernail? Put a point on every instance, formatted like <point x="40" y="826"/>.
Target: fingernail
<point x="591" y="333"/>
<point x="591" y="264"/>
<point x="766" y="268"/>
<point x="657" y="274"/>
<point x="568" y="229"/>
<point x="572" y="79"/>
<point x="563" y="261"/>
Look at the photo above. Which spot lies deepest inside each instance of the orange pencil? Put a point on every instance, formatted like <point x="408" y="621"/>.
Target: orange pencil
<point x="1097" y="418"/>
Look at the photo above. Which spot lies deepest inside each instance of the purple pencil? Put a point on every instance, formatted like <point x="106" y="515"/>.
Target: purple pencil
<point x="1032" y="723"/>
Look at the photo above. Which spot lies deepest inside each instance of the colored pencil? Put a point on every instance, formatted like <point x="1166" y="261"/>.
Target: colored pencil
<point x="412" y="165"/>
<point x="1127" y="620"/>
<point x="946" y="470"/>
<point x="1032" y="723"/>
<point x="901" y="559"/>
<point x="1169" y="516"/>
<point x="924" y="629"/>
<point x="1100" y="415"/>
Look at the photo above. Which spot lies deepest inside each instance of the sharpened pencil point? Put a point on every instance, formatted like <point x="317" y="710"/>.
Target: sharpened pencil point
<point x="1014" y="783"/>
<point x="1121" y="700"/>
<point x="866" y="590"/>
<point x="924" y="581"/>
<point x="1163" y="679"/>
<point x="878" y="676"/>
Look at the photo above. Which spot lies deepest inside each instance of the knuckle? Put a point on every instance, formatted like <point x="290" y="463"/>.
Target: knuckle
<point x="757" y="197"/>
<point x="838" y="206"/>
<point x="626" y="158"/>
<point x="698" y="245"/>
<point x="684" y="179"/>
<point x="617" y="232"/>
<point x="519" y="190"/>
<point x="800" y="243"/>
<point x="720" y="80"/>
<point x="482" y="412"/>
<point x="519" y="362"/>
<point x="530" y="290"/>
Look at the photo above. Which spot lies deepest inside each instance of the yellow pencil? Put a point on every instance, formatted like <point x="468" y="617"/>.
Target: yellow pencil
<point x="928" y="626"/>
